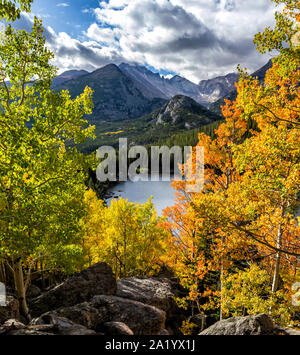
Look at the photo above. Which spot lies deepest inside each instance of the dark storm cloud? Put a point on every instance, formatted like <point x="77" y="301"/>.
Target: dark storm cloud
<point x="193" y="38"/>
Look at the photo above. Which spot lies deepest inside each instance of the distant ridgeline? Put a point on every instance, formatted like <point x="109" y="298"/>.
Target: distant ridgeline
<point x="130" y="101"/>
<point x="259" y="74"/>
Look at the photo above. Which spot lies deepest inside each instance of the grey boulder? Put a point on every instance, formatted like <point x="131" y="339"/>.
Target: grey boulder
<point x="260" y="324"/>
<point x="157" y="292"/>
<point x="105" y="310"/>
<point x="84" y="314"/>
<point x="117" y="328"/>
<point x="142" y="319"/>
<point x="96" y="280"/>
<point x="61" y="325"/>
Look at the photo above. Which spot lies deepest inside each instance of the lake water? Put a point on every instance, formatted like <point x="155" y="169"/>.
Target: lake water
<point x="140" y="191"/>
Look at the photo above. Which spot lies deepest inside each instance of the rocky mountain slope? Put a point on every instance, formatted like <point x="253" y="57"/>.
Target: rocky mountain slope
<point x="214" y="89"/>
<point x="259" y="74"/>
<point x="183" y="112"/>
<point x="67" y="75"/>
<point x="130" y="91"/>
<point x="116" y="96"/>
<point x="168" y="88"/>
<point x="146" y="80"/>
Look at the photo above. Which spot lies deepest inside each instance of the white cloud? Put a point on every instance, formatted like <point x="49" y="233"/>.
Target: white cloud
<point x="114" y="4"/>
<point x="102" y="35"/>
<point x="71" y="53"/>
<point x="63" y="4"/>
<point x="193" y="38"/>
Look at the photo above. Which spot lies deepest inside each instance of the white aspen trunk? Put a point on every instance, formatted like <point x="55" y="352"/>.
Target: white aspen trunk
<point x="275" y="282"/>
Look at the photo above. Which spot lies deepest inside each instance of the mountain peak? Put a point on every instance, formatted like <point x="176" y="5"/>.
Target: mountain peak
<point x="184" y="112"/>
<point x="116" y="96"/>
<point x="74" y="72"/>
<point x="109" y="67"/>
<point x="108" y="71"/>
<point x="178" y="78"/>
<point x="137" y="67"/>
<point x="153" y="85"/>
<point x="218" y="87"/>
<point x="260" y="74"/>
<point x="182" y="99"/>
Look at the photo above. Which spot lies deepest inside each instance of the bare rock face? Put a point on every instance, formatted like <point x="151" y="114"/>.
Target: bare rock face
<point x="151" y="291"/>
<point x="116" y="96"/>
<point x="117" y="328"/>
<point x="157" y="292"/>
<point x="183" y="111"/>
<point x="96" y="280"/>
<point x="260" y="324"/>
<point x="107" y="314"/>
<point x="84" y="314"/>
<point x="142" y="319"/>
<point x="75" y="329"/>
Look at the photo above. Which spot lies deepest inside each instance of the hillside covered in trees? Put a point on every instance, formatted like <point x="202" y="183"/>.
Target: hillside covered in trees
<point x="230" y="250"/>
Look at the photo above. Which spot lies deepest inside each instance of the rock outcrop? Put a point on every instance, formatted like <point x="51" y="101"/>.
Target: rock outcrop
<point x="104" y="313"/>
<point x="142" y="319"/>
<point x="92" y="302"/>
<point x="96" y="280"/>
<point x="54" y="326"/>
<point x="157" y="292"/>
<point x="84" y="314"/>
<point x="153" y="291"/>
<point x="64" y="326"/>
<point x="15" y="327"/>
<point x="183" y="112"/>
<point x="117" y="328"/>
<point x="260" y="324"/>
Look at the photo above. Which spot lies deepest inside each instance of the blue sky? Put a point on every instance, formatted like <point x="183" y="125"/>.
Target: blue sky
<point x="73" y="18"/>
<point x="197" y="39"/>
